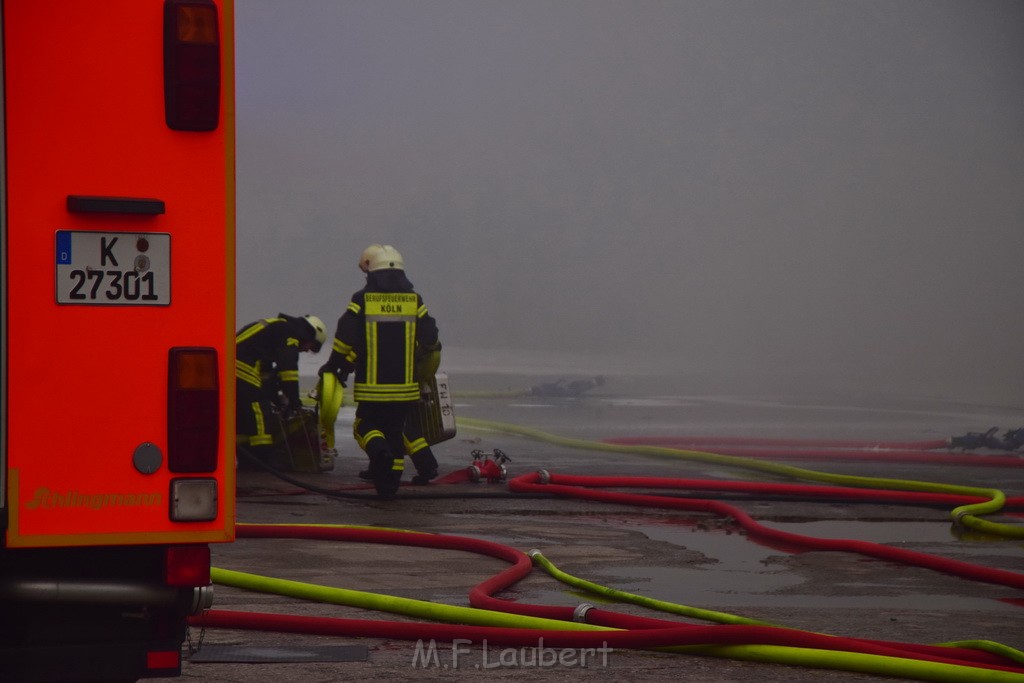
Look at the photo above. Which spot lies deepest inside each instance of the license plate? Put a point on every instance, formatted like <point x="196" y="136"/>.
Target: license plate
<point x="113" y="268"/>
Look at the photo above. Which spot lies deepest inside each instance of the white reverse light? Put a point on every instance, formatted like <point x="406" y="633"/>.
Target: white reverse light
<point x="193" y="500"/>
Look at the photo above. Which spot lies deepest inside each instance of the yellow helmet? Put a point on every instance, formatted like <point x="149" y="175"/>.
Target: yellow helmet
<point x="380" y="257"/>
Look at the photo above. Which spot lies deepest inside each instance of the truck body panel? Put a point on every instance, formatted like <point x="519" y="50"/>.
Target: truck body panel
<point x="117" y="253"/>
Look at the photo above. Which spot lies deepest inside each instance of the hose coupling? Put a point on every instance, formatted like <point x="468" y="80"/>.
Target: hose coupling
<point x="543" y="477"/>
<point x="533" y="554"/>
<point x="579" y="615"/>
<point x="202" y="599"/>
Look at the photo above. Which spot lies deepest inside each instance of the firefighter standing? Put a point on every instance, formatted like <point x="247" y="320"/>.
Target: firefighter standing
<point x="387" y="337"/>
<point x="267" y="375"/>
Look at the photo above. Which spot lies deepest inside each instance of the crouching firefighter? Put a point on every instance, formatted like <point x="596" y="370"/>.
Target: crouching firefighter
<point x="267" y="381"/>
<point x="383" y="334"/>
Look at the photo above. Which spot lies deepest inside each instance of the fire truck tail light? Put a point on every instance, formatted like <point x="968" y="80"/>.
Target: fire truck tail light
<point x="159" y="660"/>
<point x="188" y="565"/>
<point x="191" y="65"/>
<point x="193" y="500"/>
<point x="193" y="409"/>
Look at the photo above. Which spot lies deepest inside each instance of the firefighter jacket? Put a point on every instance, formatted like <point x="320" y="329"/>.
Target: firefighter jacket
<point x="381" y="334"/>
<point x="267" y="356"/>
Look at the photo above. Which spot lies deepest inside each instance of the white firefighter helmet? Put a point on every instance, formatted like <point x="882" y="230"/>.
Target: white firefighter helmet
<point x="379" y="257"/>
<point x="319" y="330"/>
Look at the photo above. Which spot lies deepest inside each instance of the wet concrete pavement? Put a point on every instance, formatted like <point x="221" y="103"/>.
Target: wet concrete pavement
<point x="691" y="558"/>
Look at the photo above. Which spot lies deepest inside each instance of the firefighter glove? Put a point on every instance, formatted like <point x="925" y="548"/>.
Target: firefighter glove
<point x="426" y="365"/>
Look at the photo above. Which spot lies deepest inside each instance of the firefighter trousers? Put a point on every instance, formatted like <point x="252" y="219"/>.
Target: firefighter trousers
<point x="378" y="429"/>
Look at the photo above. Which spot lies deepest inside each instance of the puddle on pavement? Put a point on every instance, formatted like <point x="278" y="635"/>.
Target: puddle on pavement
<point x="886" y="531"/>
<point x="741" y="572"/>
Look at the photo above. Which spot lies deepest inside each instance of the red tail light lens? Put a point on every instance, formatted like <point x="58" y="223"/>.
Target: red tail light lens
<point x="193" y="410"/>
<point x="191" y="65"/>
<point x="188" y="565"/>
<point x="167" y="660"/>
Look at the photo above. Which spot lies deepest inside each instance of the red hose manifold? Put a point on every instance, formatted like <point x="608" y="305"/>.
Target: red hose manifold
<point x="489" y="466"/>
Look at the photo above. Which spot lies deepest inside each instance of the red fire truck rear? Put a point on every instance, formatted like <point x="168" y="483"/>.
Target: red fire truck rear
<point x="117" y="239"/>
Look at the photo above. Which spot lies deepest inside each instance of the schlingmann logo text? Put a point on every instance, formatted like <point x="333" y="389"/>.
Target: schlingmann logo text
<point x="462" y="655"/>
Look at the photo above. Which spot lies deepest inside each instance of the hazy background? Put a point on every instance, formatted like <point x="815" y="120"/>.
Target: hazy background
<point x="764" y="195"/>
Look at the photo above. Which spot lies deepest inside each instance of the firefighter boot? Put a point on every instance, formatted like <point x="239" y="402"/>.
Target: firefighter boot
<point x="426" y="466"/>
<point x="387" y="473"/>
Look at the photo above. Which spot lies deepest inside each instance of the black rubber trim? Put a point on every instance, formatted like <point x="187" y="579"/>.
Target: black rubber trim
<point x="134" y="205"/>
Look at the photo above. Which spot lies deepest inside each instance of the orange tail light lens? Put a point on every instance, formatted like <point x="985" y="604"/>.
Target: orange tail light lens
<point x="193" y="410"/>
<point x="191" y="65"/>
